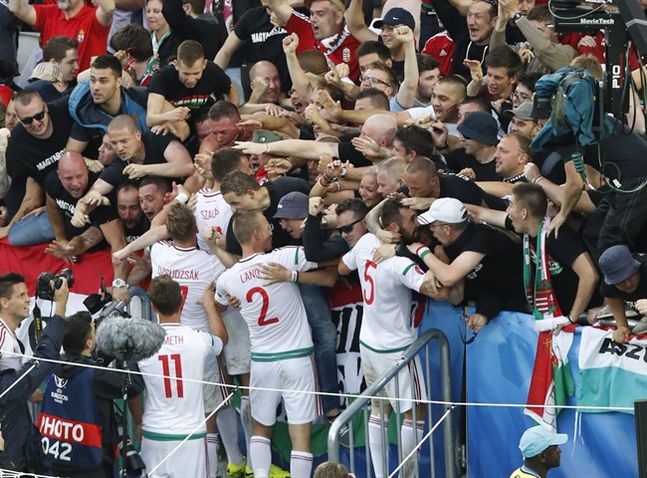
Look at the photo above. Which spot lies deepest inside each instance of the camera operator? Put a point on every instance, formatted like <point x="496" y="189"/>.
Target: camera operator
<point x="22" y="449"/>
<point x="77" y="421"/>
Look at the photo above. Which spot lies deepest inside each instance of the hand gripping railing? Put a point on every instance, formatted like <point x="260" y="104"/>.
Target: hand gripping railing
<point x="363" y="401"/>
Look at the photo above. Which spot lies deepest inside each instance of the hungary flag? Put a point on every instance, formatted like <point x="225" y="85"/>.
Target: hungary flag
<point x="611" y="374"/>
<point x="551" y="380"/>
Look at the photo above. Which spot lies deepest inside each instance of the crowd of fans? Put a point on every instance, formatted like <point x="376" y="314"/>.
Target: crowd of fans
<point x="210" y="131"/>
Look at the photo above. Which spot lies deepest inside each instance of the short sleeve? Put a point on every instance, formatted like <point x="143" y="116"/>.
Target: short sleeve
<point x="221" y="292"/>
<point x="347" y="152"/>
<point x="160" y="81"/>
<point x="113" y="174"/>
<point x="242" y="29"/>
<point x="408" y="273"/>
<point x="79" y="133"/>
<point x="350" y="259"/>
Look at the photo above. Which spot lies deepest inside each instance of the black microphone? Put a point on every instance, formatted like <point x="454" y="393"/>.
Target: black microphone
<point x="129" y="339"/>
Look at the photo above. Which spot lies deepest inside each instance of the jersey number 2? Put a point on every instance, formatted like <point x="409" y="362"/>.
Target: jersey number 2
<point x="262" y="318"/>
<point x="166" y="371"/>
<point x="369" y="295"/>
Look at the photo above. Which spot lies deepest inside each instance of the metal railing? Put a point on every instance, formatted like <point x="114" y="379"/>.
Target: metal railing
<point x="363" y="403"/>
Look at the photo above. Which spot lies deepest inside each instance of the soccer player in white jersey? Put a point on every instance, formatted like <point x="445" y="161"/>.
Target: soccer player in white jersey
<point x="174" y="408"/>
<point x="388" y="328"/>
<point x="14" y="308"/>
<point x="281" y="342"/>
<point x="196" y="270"/>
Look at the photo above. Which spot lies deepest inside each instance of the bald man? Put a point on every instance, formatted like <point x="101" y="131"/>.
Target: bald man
<point x="264" y="76"/>
<point x="373" y="145"/>
<point x="64" y="187"/>
<point x="138" y="155"/>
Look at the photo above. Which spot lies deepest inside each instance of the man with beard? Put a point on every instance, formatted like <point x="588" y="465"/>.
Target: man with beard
<point x="130" y="212"/>
<point x="70" y="18"/>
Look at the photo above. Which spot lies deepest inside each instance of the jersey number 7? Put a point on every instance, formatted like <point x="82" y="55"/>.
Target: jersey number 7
<point x="262" y="318"/>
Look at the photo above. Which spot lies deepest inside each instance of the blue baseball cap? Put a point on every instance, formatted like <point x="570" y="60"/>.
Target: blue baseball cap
<point x="396" y="16"/>
<point x="293" y="205"/>
<point x="536" y="439"/>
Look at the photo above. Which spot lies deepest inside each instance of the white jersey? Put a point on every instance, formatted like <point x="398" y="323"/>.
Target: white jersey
<point x="387" y="324"/>
<point x="195" y="270"/>
<point x="174" y="407"/>
<point x="9" y="343"/>
<point x="275" y="315"/>
<point x="211" y="210"/>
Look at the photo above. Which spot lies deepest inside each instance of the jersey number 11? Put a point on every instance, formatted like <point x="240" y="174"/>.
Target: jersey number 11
<point x="166" y="371"/>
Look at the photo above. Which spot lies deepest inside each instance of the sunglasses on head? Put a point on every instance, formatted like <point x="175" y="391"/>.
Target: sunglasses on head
<point x="29" y="119"/>
<point x="348" y="227"/>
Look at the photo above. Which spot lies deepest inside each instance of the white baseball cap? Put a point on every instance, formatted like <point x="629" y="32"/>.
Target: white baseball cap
<point x="447" y="210"/>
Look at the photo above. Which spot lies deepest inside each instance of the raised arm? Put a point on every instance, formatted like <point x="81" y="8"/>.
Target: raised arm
<point x="406" y="96"/>
<point x="354" y="17"/>
<point x="105" y="10"/>
<point x="223" y="57"/>
<point x="300" y="81"/>
<point x="23" y="11"/>
<point x="587" y="281"/>
<point x="280" y="8"/>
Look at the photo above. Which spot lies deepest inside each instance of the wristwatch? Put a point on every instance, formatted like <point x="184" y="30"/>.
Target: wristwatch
<point x="119" y="283"/>
<point x="517" y="16"/>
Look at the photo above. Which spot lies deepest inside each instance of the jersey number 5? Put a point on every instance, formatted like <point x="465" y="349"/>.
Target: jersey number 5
<point x="166" y="371"/>
<point x="262" y="318"/>
<point x="369" y="295"/>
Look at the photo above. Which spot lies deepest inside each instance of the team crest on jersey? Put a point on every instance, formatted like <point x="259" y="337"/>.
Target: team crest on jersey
<point x="80" y="36"/>
<point x="345" y="55"/>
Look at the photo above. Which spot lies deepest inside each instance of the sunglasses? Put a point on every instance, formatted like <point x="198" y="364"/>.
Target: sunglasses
<point x="348" y="227"/>
<point x="29" y="119"/>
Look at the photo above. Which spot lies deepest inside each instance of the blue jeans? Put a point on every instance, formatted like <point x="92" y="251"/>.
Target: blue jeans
<point x="324" y="336"/>
<point x="31" y="230"/>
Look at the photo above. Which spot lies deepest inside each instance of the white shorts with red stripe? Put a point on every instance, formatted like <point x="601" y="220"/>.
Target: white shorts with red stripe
<point x="411" y="381"/>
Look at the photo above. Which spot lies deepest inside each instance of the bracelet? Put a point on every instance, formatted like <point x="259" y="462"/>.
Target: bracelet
<point x="330" y="179"/>
<point x="267" y="147"/>
<point x="570" y="320"/>
<point x="323" y="183"/>
<point x="182" y="197"/>
<point x="537" y="179"/>
<point x="344" y="171"/>
<point x="294" y="276"/>
<point x="422" y="250"/>
<point x="424" y="254"/>
<point x="338" y="186"/>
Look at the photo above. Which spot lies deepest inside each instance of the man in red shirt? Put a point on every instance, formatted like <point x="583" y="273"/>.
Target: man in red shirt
<point x="71" y="18"/>
<point x="324" y="30"/>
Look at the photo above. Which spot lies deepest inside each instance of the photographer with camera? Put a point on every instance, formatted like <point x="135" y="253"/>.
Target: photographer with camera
<point x="22" y="448"/>
<point x="77" y="422"/>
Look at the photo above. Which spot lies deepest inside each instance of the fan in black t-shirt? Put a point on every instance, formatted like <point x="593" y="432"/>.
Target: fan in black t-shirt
<point x="260" y="41"/>
<point x="191" y="83"/>
<point x="64" y="187"/>
<point x="34" y="148"/>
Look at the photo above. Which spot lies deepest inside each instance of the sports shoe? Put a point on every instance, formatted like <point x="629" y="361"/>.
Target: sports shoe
<point x="278" y="472"/>
<point x="248" y="472"/>
<point x="236" y="471"/>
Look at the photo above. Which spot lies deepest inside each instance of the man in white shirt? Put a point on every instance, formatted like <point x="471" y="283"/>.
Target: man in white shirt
<point x="174" y="408"/>
<point x="389" y="327"/>
<point x="14" y="308"/>
<point x="281" y="342"/>
<point x="196" y="270"/>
